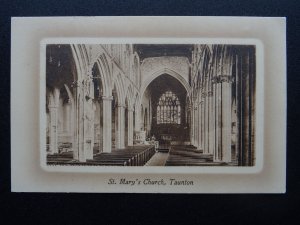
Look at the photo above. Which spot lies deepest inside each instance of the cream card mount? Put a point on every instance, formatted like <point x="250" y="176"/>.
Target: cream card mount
<point x="158" y="114"/>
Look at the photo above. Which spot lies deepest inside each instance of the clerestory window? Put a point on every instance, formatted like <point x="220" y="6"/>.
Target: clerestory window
<point x="168" y="109"/>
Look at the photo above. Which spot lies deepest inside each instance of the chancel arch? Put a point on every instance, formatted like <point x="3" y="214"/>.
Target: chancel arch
<point x="167" y="98"/>
<point x="170" y="73"/>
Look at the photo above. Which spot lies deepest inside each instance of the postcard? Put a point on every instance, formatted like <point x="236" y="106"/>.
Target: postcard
<point x="101" y="104"/>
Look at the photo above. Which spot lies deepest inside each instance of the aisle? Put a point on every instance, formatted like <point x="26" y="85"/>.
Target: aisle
<point x="158" y="159"/>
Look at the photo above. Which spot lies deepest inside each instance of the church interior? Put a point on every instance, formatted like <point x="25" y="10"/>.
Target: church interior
<point x="150" y="104"/>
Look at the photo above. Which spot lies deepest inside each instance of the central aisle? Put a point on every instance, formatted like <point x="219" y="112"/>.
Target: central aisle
<point x="158" y="159"/>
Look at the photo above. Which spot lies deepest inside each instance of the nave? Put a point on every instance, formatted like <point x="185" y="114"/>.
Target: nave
<point x="117" y="104"/>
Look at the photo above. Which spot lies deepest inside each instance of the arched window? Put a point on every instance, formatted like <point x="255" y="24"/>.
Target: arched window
<point x="168" y="109"/>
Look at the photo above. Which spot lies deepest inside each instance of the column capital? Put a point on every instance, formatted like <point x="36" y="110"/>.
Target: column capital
<point x="226" y="78"/>
<point x="222" y="78"/>
<point x="107" y="98"/>
<point x="121" y="105"/>
<point x="76" y="84"/>
<point x="209" y="94"/>
<point x="52" y="106"/>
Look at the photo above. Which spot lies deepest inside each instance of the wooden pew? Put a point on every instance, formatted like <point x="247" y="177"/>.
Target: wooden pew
<point x="132" y="156"/>
<point x="184" y="156"/>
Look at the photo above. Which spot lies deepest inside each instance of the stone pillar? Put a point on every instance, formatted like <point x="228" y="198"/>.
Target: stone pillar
<point x="223" y="119"/>
<point x="199" y="125"/>
<point x="192" y="125"/>
<point x="83" y="123"/>
<point x="98" y="124"/>
<point x="89" y="124"/>
<point x="75" y="124"/>
<point x="130" y="126"/>
<point x="53" y="111"/>
<point x="202" y="125"/>
<point x="218" y="122"/>
<point x="121" y="126"/>
<point x="80" y="127"/>
<point x="107" y="101"/>
<point x="226" y="119"/>
<point x="53" y="142"/>
<point x="67" y="120"/>
<point x="137" y="119"/>
<point x="206" y="122"/>
<point x="211" y="125"/>
<point x="72" y="129"/>
<point x="238" y="94"/>
<point x="196" y="128"/>
<point x="245" y="83"/>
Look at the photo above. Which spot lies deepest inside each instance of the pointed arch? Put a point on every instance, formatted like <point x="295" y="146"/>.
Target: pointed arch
<point x="130" y="96"/>
<point x="81" y="60"/>
<point x="136" y="70"/>
<point x="204" y="66"/>
<point x="119" y="84"/>
<point x="169" y="72"/>
<point x="105" y="74"/>
<point x="69" y="93"/>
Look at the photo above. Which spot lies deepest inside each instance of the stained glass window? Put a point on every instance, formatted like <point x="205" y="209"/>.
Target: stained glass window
<point x="168" y="109"/>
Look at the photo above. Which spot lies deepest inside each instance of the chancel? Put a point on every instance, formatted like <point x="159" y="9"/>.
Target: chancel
<point x="150" y="104"/>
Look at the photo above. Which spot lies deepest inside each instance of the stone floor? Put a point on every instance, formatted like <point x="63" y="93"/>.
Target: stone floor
<point x="158" y="159"/>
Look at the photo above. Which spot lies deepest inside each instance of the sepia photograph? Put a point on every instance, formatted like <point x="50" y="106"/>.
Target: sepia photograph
<point x="150" y="104"/>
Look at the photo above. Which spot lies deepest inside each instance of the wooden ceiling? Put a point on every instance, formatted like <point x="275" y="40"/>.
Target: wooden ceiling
<point x="157" y="50"/>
